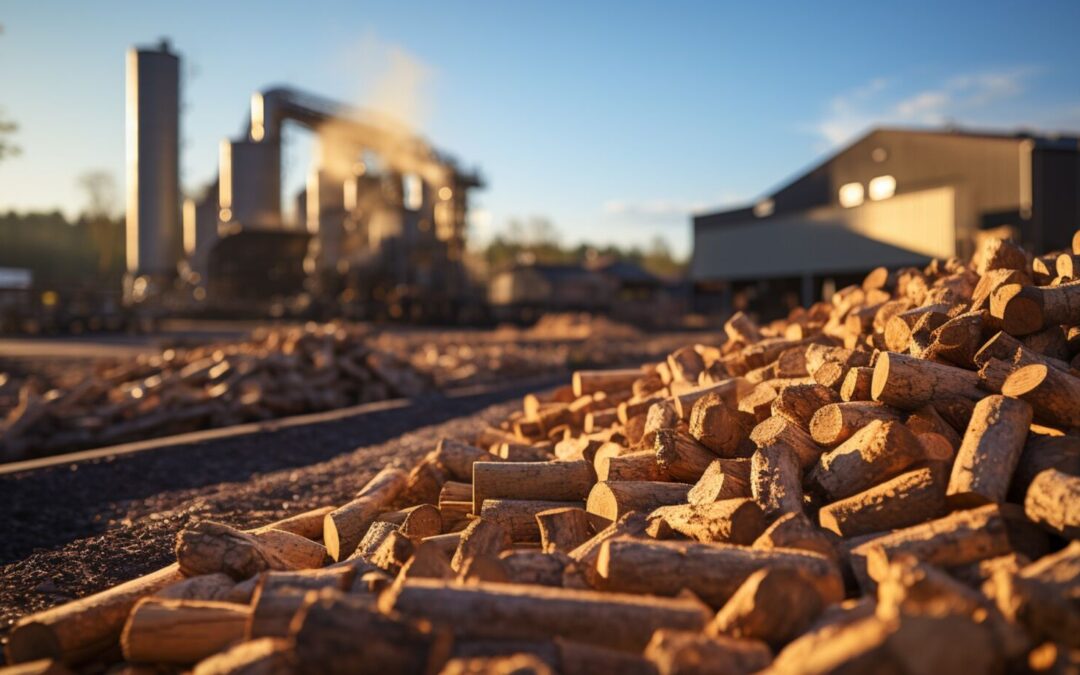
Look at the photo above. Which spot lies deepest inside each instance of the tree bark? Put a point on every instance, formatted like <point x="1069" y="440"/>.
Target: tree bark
<point x="990" y="451"/>
<point x="506" y="611"/>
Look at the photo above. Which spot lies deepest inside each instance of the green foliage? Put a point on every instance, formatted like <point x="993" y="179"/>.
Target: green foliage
<point x="537" y="240"/>
<point x="63" y="255"/>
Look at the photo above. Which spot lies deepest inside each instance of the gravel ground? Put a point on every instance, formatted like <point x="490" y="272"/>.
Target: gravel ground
<point x="72" y="530"/>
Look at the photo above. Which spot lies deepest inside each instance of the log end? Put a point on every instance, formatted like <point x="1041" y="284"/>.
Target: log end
<point x="31" y="641"/>
<point x="881" y="376"/>
<point x="1019" y="312"/>
<point x="1024" y="380"/>
<point x="331" y="539"/>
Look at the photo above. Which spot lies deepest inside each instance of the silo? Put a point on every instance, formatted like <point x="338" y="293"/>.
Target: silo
<point x="250" y="175"/>
<point x="153" y="163"/>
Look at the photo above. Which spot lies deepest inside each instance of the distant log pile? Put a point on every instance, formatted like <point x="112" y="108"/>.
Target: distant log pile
<point x="557" y="343"/>
<point x="278" y="372"/>
<point x="885" y="483"/>
<point x="289" y="371"/>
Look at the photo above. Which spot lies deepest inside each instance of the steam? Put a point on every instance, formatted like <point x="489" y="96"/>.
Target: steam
<point x="391" y="95"/>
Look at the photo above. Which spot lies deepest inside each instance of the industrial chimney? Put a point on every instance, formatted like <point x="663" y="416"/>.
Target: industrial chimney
<point x="153" y="170"/>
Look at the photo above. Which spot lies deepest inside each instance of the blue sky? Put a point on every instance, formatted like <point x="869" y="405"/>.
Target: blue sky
<point x="616" y="120"/>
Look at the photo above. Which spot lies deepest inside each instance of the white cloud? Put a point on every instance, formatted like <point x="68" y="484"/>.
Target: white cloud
<point x="967" y="97"/>
<point x="662" y="210"/>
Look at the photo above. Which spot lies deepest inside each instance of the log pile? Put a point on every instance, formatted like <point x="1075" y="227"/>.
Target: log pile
<point x="278" y="372"/>
<point x="887" y="482"/>
<point x="287" y="371"/>
<point x="557" y="343"/>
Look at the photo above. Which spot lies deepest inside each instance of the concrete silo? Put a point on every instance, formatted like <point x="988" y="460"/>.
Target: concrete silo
<point x="154" y="236"/>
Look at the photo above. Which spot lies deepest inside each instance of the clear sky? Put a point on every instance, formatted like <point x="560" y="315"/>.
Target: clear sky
<point x="616" y="120"/>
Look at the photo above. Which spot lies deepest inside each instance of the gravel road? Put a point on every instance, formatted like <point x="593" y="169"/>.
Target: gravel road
<point x="75" y="529"/>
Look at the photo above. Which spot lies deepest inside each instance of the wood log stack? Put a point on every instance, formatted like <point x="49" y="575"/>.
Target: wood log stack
<point x="278" y="372"/>
<point x="887" y="482"/>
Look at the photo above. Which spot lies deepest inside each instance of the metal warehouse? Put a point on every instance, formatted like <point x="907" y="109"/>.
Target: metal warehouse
<point x="894" y="197"/>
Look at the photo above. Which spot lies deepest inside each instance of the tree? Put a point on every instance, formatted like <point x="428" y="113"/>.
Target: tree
<point x="99" y="216"/>
<point x="7" y="148"/>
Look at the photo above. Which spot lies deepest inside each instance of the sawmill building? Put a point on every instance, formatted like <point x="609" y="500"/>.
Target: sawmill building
<point x="894" y="197"/>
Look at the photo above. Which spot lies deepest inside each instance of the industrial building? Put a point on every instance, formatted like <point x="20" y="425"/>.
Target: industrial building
<point x="621" y="289"/>
<point x="895" y="197"/>
<point x="382" y="215"/>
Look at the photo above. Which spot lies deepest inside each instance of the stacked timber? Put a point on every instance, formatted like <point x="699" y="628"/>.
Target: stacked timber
<point x="887" y="482"/>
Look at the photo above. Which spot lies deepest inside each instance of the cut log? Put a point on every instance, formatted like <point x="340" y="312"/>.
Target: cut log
<point x="340" y="578"/>
<point x="1053" y="501"/>
<point x="772" y="605"/>
<point x="632" y="524"/>
<point x="640" y="465"/>
<point x="345" y="527"/>
<point x="685" y="364"/>
<point x="1051" y="393"/>
<point x="486" y="567"/>
<point x="181" y="631"/>
<point x="990" y="451"/>
<point x="272" y="611"/>
<point x="716" y="426"/>
<point x="835" y="423"/>
<point x="608" y="381"/>
<point x="736" y="521"/>
<point x="479" y="538"/>
<point x="909" y="499"/>
<point x="611" y="500"/>
<point x="927" y="420"/>
<point x="799" y="402"/>
<point x="661" y="415"/>
<point x="534" y="567"/>
<point x="958" y="339"/>
<point x="675" y="652"/>
<point x="856" y="384"/>
<point x="518" y="516"/>
<point x="550" y="481"/>
<point x="909" y="383"/>
<point x="780" y="431"/>
<point x="207" y="547"/>
<point x="266" y="656"/>
<point x="1006" y="348"/>
<point x="341" y="634"/>
<point x="758" y="402"/>
<point x="78" y="631"/>
<point x="713" y="572"/>
<point x="776" y="480"/>
<point x="308" y="524"/>
<point x="392" y="553"/>
<point x="1042" y="596"/>
<point x="794" y="530"/>
<point x="730" y="390"/>
<point x="741" y="328"/>
<point x="428" y="561"/>
<point x="680" y="456"/>
<point x="953" y="540"/>
<point x="373" y="539"/>
<point x="563" y="529"/>
<point x="457" y="457"/>
<point x="1028" y="309"/>
<point x="723" y="479"/>
<point x="877" y="452"/>
<point x="509" y="611"/>
<point x="520" y="452"/>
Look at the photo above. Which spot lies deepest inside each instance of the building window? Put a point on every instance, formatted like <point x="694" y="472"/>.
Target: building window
<point x="764" y="208"/>
<point x="851" y="194"/>
<point x="882" y="187"/>
<point x="413" y="191"/>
